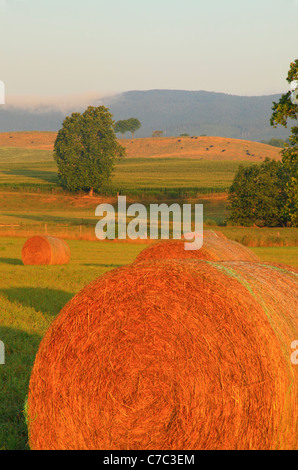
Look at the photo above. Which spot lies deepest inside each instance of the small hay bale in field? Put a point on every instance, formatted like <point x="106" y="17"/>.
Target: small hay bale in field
<point x="213" y="249"/>
<point x="170" y="355"/>
<point x="45" y="250"/>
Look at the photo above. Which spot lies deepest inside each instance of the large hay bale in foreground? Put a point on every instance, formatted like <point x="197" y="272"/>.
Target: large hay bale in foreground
<point x="213" y="249"/>
<point x="45" y="250"/>
<point x="170" y="354"/>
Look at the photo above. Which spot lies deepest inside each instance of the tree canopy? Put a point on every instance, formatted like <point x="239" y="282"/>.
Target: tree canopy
<point x="86" y="149"/>
<point x="121" y="127"/>
<point x="283" y="111"/>
<point x="257" y="195"/>
<point x="127" y="125"/>
<point x="267" y="194"/>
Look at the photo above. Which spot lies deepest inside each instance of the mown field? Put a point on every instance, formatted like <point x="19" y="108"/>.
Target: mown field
<point x="31" y="297"/>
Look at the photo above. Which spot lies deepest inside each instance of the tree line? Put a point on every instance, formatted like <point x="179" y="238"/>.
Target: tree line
<point x="267" y="194"/>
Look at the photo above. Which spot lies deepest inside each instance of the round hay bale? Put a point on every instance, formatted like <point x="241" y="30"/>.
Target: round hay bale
<point x="170" y="355"/>
<point x="213" y="249"/>
<point x="45" y="250"/>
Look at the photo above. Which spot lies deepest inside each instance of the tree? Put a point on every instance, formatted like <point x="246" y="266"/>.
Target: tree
<point x="127" y="125"/>
<point x="133" y="125"/>
<point x="157" y="133"/>
<point x="121" y="127"/>
<point x="275" y="142"/>
<point x="284" y="110"/>
<point x="86" y="149"/>
<point x="257" y="195"/>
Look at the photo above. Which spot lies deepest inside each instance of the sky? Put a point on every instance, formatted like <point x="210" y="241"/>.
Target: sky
<point x="68" y="49"/>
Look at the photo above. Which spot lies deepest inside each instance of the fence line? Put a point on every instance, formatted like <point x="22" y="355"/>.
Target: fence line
<point x="87" y="232"/>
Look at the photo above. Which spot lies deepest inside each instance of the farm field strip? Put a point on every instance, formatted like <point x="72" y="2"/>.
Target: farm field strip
<point x="133" y="174"/>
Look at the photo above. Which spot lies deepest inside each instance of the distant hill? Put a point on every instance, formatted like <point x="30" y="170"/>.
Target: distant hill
<point x="197" y="113"/>
<point x="199" y="148"/>
<point x="14" y="120"/>
<point x="172" y="111"/>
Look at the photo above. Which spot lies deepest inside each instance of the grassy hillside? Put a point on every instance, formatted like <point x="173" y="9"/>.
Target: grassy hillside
<point x="211" y="148"/>
<point x="28" y="140"/>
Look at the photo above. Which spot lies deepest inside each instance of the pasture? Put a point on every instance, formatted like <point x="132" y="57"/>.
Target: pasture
<point x="31" y="297"/>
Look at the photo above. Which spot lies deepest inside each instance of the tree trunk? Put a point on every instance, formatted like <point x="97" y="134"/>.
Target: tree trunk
<point x="91" y="192"/>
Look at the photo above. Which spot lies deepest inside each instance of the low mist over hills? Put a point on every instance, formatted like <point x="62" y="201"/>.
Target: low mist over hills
<point x="172" y="111"/>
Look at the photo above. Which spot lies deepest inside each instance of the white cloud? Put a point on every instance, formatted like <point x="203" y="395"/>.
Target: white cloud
<point x="64" y="104"/>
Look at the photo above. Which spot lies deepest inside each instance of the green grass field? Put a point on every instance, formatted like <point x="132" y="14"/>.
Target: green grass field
<point x="174" y="174"/>
<point x="31" y="297"/>
<point x="170" y="177"/>
<point x="32" y="211"/>
<point x="24" y="155"/>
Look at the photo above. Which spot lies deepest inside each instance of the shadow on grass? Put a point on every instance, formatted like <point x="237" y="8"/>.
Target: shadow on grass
<point x="75" y="221"/>
<point x="45" y="300"/>
<point x="14" y="261"/>
<point x="49" y="176"/>
<point x="20" y="352"/>
<point x="103" y="265"/>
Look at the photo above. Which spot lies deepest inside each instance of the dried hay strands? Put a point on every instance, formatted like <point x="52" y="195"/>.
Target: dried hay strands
<point x="170" y="354"/>
<point x="39" y="250"/>
<point x="213" y="249"/>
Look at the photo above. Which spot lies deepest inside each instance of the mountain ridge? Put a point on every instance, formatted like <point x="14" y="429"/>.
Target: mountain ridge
<point x="172" y="111"/>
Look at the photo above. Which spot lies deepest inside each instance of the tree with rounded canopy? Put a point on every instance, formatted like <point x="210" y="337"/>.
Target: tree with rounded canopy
<point x="86" y="149"/>
<point x="282" y="111"/>
<point x="257" y="195"/>
<point x="121" y="127"/>
<point x="133" y="125"/>
<point x="127" y="125"/>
